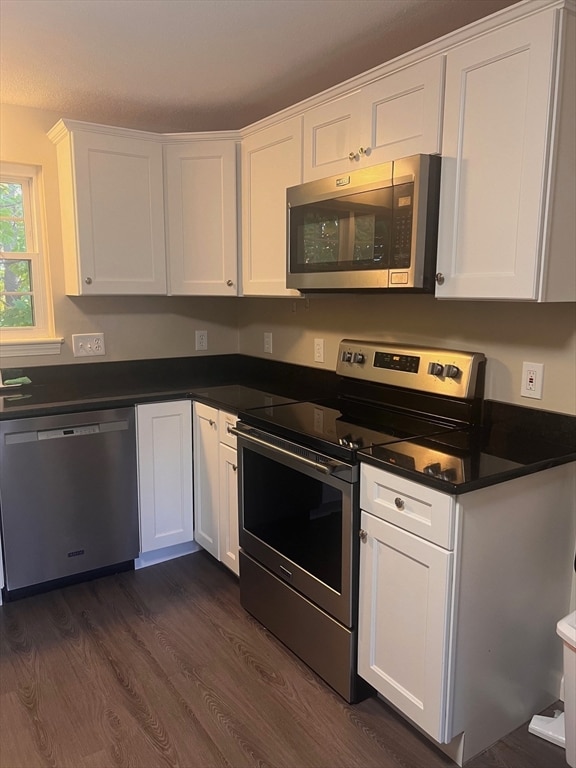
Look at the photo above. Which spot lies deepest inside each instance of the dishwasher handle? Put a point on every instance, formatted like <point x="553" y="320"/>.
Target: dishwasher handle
<point x="65" y="432"/>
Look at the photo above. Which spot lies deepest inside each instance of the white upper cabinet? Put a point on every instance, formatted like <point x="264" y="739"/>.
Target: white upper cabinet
<point x="112" y="199"/>
<point x="135" y="203"/>
<point x="271" y="162"/>
<point x="507" y="224"/>
<point x="395" y="116"/>
<point x="201" y="231"/>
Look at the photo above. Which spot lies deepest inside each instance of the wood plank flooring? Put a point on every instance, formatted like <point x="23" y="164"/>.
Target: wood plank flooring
<point x="163" y="668"/>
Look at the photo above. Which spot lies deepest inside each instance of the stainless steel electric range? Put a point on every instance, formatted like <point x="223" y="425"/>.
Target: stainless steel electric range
<point x="298" y="468"/>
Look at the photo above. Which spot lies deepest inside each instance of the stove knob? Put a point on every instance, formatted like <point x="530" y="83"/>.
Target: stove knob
<point x="451" y="371"/>
<point x="359" y="358"/>
<point x="432" y="469"/>
<point x="435" y="369"/>
<point x="347" y="357"/>
<point x="448" y="474"/>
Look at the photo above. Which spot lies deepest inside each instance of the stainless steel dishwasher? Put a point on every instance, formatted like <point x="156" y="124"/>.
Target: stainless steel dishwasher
<point x="68" y="495"/>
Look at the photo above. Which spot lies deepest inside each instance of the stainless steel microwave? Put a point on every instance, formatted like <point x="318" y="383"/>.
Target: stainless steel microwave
<point x="375" y="228"/>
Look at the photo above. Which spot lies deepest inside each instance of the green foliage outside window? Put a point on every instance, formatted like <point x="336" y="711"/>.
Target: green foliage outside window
<point x="16" y="300"/>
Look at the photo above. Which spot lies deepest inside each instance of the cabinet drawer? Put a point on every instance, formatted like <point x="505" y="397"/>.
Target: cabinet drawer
<point x="226" y="420"/>
<point x="422" y="511"/>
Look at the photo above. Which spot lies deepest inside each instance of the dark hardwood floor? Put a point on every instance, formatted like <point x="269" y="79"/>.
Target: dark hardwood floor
<point x="162" y="667"/>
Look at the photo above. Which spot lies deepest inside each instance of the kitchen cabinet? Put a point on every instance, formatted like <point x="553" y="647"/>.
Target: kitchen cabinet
<point x="112" y="203"/>
<point x="459" y="599"/>
<point x="405" y="590"/>
<point x="507" y="203"/>
<point x="394" y="116"/>
<point x="271" y="162"/>
<point x="164" y="440"/>
<point x="144" y="213"/>
<point x="215" y="484"/>
<point x="201" y="229"/>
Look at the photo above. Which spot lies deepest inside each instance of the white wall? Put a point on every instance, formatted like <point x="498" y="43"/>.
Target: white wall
<point x="507" y="332"/>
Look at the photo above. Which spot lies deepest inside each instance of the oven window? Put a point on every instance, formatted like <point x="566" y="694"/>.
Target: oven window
<point x="351" y="232"/>
<point x="297" y="515"/>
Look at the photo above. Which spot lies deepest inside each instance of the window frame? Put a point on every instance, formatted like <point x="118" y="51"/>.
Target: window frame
<point x="39" y="338"/>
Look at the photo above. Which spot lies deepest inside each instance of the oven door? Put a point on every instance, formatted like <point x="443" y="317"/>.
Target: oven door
<point x="298" y="517"/>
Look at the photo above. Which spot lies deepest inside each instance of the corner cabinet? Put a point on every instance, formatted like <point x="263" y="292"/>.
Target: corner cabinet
<point x="201" y="229"/>
<point x="215" y="484"/>
<point x="112" y="201"/>
<point x="507" y="224"/>
<point x="165" y="474"/>
<point x="459" y="599"/>
<point x="271" y="162"/>
<point x="394" y="116"/>
<point x="147" y="213"/>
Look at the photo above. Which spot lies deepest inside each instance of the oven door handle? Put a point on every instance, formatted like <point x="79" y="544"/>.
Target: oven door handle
<point x="327" y="469"/>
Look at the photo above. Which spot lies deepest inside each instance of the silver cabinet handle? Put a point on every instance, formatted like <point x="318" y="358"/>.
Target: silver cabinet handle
<point x="229" y="283"/>
<point x="88" y="281"/>
<point x="399" y="502"/>
<point x="352" y="156"/>
<point x="362" y="534"/>
<point x="439" y="278"/>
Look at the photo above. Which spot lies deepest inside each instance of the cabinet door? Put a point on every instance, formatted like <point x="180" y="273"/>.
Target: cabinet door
<point x="401" y="114"/>
<point x="114" y="219"/>
<point x="228" y="519"/>
<point x="206" y="485"/>
<point x="201" y="239"/>
<point x="165" y="474"/>
<point x="494" y="149"/>
<point x="271" y="162"/>
<point x="405" y="585"/>
<point x="332" y="137"/>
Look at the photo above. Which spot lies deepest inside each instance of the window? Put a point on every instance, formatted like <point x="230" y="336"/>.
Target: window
<point x="25" y="301"/>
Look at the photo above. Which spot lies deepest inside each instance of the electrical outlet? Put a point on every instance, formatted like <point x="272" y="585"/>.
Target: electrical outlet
<point x="532" y="380"/>
<point x="88" y="344"/>
<point x="318" y="350"/>
<point x="268" y="343"/>
<point x="201" y="341"/>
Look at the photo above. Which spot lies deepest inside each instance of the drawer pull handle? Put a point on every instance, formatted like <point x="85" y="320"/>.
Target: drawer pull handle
<point x="399" y="502"/>
<point x="362" y="534"/>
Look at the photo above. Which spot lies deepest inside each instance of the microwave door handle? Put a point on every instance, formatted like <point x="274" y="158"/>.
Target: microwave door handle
<point x="325" y="468"/>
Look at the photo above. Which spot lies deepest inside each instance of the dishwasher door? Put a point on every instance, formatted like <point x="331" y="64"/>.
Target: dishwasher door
<point x="68" y="494"/>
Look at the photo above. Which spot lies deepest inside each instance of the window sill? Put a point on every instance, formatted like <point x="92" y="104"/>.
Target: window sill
<point x="30" y="347"/>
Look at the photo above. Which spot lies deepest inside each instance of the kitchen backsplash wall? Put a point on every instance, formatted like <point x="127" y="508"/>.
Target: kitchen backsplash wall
<point x="507" y="332"/>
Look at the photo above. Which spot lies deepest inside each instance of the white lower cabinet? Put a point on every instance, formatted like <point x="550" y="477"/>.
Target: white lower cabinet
<point x="165" y="474"/>
<point x="459" y="600"/>
<point x="405" y="588"/>
<point x="215" y="484"/>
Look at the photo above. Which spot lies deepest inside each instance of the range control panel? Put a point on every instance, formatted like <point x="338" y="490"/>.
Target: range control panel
<point x="453" y="373"/>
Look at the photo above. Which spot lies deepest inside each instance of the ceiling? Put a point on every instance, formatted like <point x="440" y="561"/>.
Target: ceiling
<point x="194" y="65"/>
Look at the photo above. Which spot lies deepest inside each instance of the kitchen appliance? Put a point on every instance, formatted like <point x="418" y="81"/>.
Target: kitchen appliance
<point x="374" y="228"/>
<point x="299" y="487"/>
<point x="69" y="496"/>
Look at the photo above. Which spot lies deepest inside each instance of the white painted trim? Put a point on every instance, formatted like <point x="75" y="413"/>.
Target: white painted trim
<point x="30" y="347"/>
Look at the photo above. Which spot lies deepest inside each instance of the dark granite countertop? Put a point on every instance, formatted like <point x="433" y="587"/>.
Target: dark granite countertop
<point x="511" y="441"/>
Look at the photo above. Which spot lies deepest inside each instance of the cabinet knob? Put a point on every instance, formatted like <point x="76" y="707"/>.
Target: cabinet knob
<point x="362" y="534"/>
<point x="352" y="156"/>
<point x="234" y="467"/>
<point x="439" y="278"/>
<point x="211" y="422"/>
<point x="364" y="151"/>
<point x="88" y="281"/>
<point x="399" y="502"/>
<point x="229" y="283"/>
